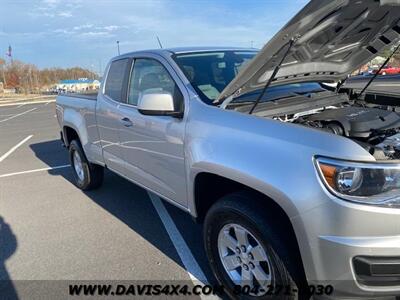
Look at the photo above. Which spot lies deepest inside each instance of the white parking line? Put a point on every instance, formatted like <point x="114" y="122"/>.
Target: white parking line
<point x="34" y="171"/>
<point x="26" y="103"/>
<point x="17" y="115"/>
<point x="5" y="155"/>
<point x="20" y="102"/>
<point x="7" y="115"/>
<point x="196" y="274"/>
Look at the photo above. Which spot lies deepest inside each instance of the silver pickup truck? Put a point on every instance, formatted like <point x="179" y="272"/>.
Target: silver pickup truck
<point x="297" y="182"/>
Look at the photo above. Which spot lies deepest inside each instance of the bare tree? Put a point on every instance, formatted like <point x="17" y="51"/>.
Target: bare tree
<point x="27" y="78"/>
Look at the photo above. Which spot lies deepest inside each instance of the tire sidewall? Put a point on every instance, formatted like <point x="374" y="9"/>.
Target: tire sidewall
<point x="76" y="147"/>
<point x="215" y="224"/>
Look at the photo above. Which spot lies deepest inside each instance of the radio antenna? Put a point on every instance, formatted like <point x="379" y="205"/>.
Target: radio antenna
<point x="159" y="42"/>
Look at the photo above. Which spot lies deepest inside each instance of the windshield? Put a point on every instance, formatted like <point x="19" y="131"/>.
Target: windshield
<point x="210" y="72"/>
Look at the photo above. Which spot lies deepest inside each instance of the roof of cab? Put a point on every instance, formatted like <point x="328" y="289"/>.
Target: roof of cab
<point x="206" y="49"/>
<point x="180" y="50"/>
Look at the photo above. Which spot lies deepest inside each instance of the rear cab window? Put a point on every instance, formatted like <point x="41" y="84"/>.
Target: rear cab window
<point x="116" y="82"/>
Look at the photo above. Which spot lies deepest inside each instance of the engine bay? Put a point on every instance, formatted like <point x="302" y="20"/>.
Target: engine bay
<point x="376" y="128"/>
<point x="372" y="121"/>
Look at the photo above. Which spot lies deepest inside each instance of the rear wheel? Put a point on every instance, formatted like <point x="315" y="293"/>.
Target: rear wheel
<point x="248" y="253"/>
<point x="87" y="176"/>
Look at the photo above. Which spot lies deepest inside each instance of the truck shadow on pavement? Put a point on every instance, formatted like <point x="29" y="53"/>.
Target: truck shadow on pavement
<point x="132" y="206"/>
<point x="8" y="245"/>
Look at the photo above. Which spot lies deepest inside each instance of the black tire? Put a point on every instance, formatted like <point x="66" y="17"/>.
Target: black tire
<point x="244" y="209"/>
<point x="92" y="174"/>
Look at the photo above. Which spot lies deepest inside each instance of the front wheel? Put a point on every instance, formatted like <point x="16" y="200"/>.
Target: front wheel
<point x="87" y="176"/>
<point x="247" y="253"/>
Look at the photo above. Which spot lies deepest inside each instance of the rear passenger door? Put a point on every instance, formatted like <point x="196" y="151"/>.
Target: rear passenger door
<point x="153" y="145"/>
<point x="108" y="114"/>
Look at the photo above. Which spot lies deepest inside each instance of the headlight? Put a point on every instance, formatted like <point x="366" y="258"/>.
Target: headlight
<point x="367" y="183"/>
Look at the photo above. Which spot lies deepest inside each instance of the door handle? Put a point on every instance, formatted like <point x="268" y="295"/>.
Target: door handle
<point x="127" y="122"/>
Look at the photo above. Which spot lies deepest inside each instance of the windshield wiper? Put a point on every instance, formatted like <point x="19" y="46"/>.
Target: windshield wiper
<point x="268" y="83"/>
<point x="249" y="102"/>
<point x="377" y="73"/>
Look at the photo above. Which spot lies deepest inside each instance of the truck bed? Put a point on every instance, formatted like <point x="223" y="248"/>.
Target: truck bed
<point x="78" y="112"/>
<point x="88" y="96"/>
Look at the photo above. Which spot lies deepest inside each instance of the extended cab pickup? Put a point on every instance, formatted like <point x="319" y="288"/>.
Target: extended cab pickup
<point x="297" y="183"/>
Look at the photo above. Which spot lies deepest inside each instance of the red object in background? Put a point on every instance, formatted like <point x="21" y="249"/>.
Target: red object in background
<point x="389" y="71"/>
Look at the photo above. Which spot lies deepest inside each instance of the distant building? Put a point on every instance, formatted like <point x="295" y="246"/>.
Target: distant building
<point x="10" y="91"/>
<point x="78" y="86"/>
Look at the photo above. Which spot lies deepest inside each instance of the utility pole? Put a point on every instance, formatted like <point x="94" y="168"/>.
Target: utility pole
<point x="2" y="65"/>
<point x="119" y="53"/>
<point x="30" y="79"/>
<point x="92" y="71"/>
<point x="9" y="53"/>
<point x="100" y="68"/>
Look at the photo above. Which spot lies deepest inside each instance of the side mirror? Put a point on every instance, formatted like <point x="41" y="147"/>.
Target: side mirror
<point x="158" y="104"/>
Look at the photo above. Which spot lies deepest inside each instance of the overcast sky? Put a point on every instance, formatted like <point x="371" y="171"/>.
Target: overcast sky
<point x="68" y="33"/>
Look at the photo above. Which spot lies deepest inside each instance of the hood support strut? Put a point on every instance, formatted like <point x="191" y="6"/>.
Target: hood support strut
<point x="276" y="70"/>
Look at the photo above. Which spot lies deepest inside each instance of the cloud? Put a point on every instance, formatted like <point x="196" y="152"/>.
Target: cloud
<point x="63" y="27"/>
<point x="49" y="4"/>
<point x="111" y="27"/>
<point x="65" y="14"/>
<point x="84" y="26"/>
<point x="63" y="31"/>
<point x="88" y="30"/>
<point x="52" y="9"/>
<point x="95" y="34"/>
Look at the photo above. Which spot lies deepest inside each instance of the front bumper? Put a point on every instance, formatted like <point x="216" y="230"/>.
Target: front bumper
<point x="334" y="235"/>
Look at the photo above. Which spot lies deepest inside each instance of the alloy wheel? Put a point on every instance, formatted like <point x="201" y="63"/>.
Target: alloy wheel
<point x="244" y="259"/>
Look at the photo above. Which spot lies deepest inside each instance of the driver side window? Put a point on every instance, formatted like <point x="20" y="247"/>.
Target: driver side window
<point x="150" y="76"/>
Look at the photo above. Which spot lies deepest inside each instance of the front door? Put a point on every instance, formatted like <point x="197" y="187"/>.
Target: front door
<point x="153" y="146"/>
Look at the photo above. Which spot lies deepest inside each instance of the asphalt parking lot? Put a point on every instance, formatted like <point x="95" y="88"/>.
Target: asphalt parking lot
<point x="51" y="231"/>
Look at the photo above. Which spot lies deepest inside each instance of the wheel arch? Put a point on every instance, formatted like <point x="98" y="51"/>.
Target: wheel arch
<point x="75" y="122"/>
<point x="69" y="134"/>
<point x="209" y="188"/>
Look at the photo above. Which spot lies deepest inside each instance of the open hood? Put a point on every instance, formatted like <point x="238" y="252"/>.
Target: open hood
<point x="332" y="39"/>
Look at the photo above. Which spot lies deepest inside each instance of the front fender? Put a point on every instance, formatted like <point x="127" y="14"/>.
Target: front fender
<point x="272" y="157"/>
<point x="244" y="178"/>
